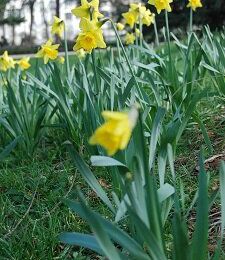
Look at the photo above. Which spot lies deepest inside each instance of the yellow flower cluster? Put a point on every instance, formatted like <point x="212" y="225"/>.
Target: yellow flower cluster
<point x="91" y="35"/>
<point x="89" y="10"/>
<point x="137" y="14"/>
<point x="48" y="50"/>
<point x="7" y="62"/>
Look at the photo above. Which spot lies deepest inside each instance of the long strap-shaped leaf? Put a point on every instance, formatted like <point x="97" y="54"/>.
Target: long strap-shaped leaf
<point x="83" y="240"/>
<point x="89" y="177"/>
<point x="9" y="148"/>
<point x="200" y="238"/>
<point x="104" y="241"/>
<point x="115" y="233"/>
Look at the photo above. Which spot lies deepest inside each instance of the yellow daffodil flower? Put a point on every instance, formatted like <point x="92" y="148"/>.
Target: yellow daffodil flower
<point x="116" y="132"/>
<point x="131" y="18"/>
<point x="89" y="10"/>
<point x="57" y="26"/>
<point x="138" y="8"/>
<point x="24" y="63"/>
<point x="161" y="5"/>
<point x="6" y="62"/>
<point x="61" y="60"/>
<point x="48" y="51"/>
<point x="90" y="37"/>
<point x="148" y="18"/>
<point x="193" y="4"/>
<point x="120" y="26"/>
<point x="129" y="38"/>
<point x="80" y="54"/>
<point x="138" y="13"/>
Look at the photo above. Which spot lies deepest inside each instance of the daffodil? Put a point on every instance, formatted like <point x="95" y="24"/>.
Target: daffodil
<point x="193" y="4"/>
<point x="116" y="132"/>
<point x="131" y="18"/>
<point x="89" y="10"/>
<point x="120" y="26"/>
<point x="161" y="5"/>
<point x="24" y="63"/>
<point x="138" y="8"/>
<point x="90" y="37"/>
<point x="6" y="62"/>
<point x="148" y="18"/>
<point x="48" y="51"/>
<point x="130" y="38"/>
<point x="80" y="54"/>
<point x="57" y="26"/>
<point x="138" y="13"/>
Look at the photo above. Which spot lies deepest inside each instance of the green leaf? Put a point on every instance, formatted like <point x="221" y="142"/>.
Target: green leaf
<point x="113" y="231"/>
<point x="155" y="135"/>
<point x="7" y="150"/>
<point x="200" y="237"/>
<point x="105" y="161"/>
<point x="82" y="240"/>
<point x="165" y="191"/>
<point x="89" y="177"/>
<point x="222" y="195"/>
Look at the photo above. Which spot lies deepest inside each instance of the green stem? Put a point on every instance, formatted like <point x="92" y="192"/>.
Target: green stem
<point x="118" y="48"/>
<point x="168" y="33"/>
<point x="169" y="48"/>
<point x="156" y="34"/>
<point x="94" y="69"/>
<point x="191" y="20"/>
<point x="141" y="31"/>
<point x="66" y="53"/>
<point x="126" y="57"/>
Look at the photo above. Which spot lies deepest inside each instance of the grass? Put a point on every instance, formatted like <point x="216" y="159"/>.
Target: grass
<point x="32" y="215"/>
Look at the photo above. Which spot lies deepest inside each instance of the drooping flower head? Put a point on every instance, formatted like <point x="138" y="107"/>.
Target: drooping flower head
<point x="90" y="37"/>
<point x="24" y="63"/>
<point x="130" y="38"/>
<point x="57" y="26"/>
<point x="161" y="5"/>
<point x="6" y="62"/>
<point x="89" y="10"/>
<point x="48" y="51"/>
<point x="116" y="132"/>
<point x="193" y="4"/>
